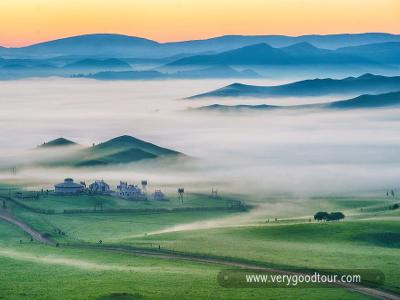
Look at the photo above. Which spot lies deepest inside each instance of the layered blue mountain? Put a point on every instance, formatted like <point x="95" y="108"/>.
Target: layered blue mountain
<point x="265" y="55"/>
<point x="90" y="45"/>
<point x="124" y="75"/>
<point x="367" y="83"/>
<point x="387" y="53"/>
<point x="330" y="41"/>
<point x="212" y="72"/>
<point x="122" y="46"/>
<point x="221" y="71"/>
<point x="98" y="64"/>
<point x="112" y="52"/>
<point x="21" y="68"/>
<point x="360" y="102"/>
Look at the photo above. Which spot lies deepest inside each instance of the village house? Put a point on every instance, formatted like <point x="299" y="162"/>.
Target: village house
<point x="158" y="195"/>
<point x="99" y="187"/>
<point x="68" y="187"/>
<point x="130" y="191"/>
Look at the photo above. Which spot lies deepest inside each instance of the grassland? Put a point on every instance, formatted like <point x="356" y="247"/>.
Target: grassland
<point x="35" y="271"/>
<point x="368" y="238"/>
<point x="354" y="245"/>
<point x="85" y="201"/>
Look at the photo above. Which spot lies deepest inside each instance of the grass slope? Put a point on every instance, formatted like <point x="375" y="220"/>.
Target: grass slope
<point x="59" y="142"/>
<point x="120" y="150"/>
<point x="373" y="244"/>
<point x="42" y="272"/>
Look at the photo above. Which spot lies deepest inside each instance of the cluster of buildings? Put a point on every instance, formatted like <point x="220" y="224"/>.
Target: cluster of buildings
<point x="131" y="191"/>
<point x="124" y="190"/>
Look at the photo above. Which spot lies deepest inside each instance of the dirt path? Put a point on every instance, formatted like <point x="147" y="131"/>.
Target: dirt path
<point x="375" y="293"/>
<point x="36" y="235"/>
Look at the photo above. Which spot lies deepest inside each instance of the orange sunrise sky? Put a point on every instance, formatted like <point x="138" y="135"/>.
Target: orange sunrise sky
<point x="25" y="22"/>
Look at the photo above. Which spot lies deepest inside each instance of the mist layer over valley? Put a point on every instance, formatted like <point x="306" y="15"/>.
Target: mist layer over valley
<point x="259" y="154"/>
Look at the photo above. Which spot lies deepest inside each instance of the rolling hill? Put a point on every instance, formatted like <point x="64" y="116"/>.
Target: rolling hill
<point x="360" y="102"/>
<point x="388" y="53"/>
<point x="123" y="75"/>
<point x="265" y="55"/>
<point x="365" y="101"/>
<point x="59" y="142"/>
<point x="367" y="83"/>
<point x="329" y="41"/>
<point x="89" y="45"/>
<point x="98" y="64"/>
<point x="94" y="53"/>
<point x="212" y="72"/>
<point x="117" y="45"/>
<point x="120" y="150"/>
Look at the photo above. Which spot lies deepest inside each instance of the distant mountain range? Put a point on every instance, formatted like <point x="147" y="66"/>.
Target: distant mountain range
<point x="98" y="64"/>
<point x="367" y="83"/>
<point x="295" y="55"/>
<point x="117" y="45"/>
<point x="120" y="150"/>
<point x="212" y="72"/>
<point x="221" y="57"/>
<point x="387" y="53"/>
<point x="360" y="102"/>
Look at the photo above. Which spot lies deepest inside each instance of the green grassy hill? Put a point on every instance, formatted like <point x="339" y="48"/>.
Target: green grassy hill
<point x="364" y="244"/>
<point x="119" y="150"/>
<point x="70" y="273"/>
<point x="367" y="238"/>
<point x="60" y="142"/>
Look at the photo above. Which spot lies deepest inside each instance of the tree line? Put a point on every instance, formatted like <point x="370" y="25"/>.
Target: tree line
<point x="325" y="216"/>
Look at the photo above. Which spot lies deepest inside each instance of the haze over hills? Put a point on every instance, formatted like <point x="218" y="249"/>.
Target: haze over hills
<point x="367" y="83"/>
<point x="360" y="102"/>
<point x="212" y="72"/>
<point x="120" y="150"/>
<point x="99" y="64"/>
<point x="388" y="53"/>
<point x="265" y="55"/>
<point x="91" y="45"/>
<point x="117" y="45"/>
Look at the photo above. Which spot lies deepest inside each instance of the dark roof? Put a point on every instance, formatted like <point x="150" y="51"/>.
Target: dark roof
<point x="68" y="183"/>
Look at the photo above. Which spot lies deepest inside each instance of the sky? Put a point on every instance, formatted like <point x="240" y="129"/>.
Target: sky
<point x="25" y="22"/>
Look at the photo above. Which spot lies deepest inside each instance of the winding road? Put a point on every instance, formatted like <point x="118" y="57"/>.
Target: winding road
<point x="36" y="235"/>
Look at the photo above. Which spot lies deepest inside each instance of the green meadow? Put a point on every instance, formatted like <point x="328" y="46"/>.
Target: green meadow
<point x="363" y="244"/>
<point x="284" y="238"/>
<point x="61" y="203"/>
<point x="70" y="273"/>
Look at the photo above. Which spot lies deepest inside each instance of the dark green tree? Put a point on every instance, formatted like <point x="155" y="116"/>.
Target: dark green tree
<point x="335" y="216"/>
<point x="321" y="216"/>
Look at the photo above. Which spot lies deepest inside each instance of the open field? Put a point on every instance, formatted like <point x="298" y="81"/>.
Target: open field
<point x="359" y="244"/>
<point x="87" y="274"/>
<point x="290" y="242"/>
<point x="87" y="202"/>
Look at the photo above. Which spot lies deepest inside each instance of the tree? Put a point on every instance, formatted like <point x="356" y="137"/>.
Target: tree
<point x="324" y="216"/>
<point x="321" y="215"/>
<point x="335" y="216"/>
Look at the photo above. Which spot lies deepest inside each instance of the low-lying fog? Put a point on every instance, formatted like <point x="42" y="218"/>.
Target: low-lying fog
<point x="302" y="153"/>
